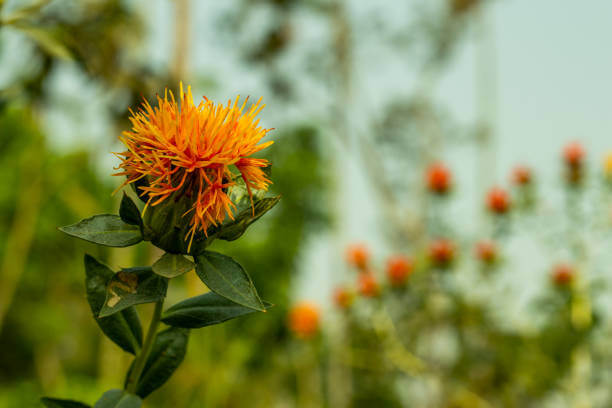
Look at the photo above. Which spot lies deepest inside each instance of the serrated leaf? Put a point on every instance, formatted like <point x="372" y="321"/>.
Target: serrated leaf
<point x="172" y="265"/>
<point x="118" y="399"/>
<point x="129" y="212"/>
<point x="204" y="310"/>
<point x="133" y="286"/>
<point x="122" y="328"/>
<point x="167" y="354"/>
<point x="233" y="230"/>
<point x="62" y="403"/>
<point x="227" y="278"/>
<point x="105" y="229"/>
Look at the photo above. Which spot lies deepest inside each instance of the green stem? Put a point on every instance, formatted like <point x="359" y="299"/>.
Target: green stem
<point x="141" y="358"/>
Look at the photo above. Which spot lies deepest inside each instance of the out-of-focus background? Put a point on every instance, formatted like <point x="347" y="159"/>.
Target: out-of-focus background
<point x="364" y="96"/>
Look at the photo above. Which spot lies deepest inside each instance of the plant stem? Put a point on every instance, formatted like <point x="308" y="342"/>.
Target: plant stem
<point x="141" y="358"/>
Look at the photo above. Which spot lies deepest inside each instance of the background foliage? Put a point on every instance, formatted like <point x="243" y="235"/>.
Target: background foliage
<point x="461" y="337"/>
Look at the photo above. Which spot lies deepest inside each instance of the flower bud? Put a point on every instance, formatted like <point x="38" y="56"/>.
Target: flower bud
<point x="438" y="179"/>
<point x="573" y="154"/>
<point x="399" y="268"/>
<point x="367" y="284"/>
<point x="498" y="201"/>
<point x="563" y="275"/>
<point x="304" y="320"/>
<point x="343" y="298"/>
<point x="521" y="175"/>
<point x="166" y="226"/>
<point x="441" y="252"/>
<point x="358" y="255"/>
<point x="486" y="252"/>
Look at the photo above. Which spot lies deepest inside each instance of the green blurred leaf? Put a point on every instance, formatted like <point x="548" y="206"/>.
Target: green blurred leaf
<point x="122" y="328"/>
<point x="233" y="230"/>
<point x="204" y="310"/>
<point x="133" y="286"/>
<point x="46" y="40"/>
<point x="118" y="399"/>
<point x="227" y="278"/>
<point x="172" y="265"/>
<point x="105" y="229"/>
<point x="167" y="354"/>
<point x="62" y="403"/>
<point x="129" y="212"/>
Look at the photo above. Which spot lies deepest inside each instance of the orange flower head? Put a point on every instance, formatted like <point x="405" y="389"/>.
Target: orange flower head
<point x="343" y="298"/>
<point x="367" y="284"/>
<point x="442" y="252"/>
<point x="399" y="268"/>
<point x="438" y="178"/>
<point x="179" y="150"/>
<point x="562" y="275"/>
<point x="358" y="255"/>
<point x="304" y="320"/>
<point x="498" y="201"/>
<point x="521" y="176"/>
<point x="573" y="154"/>
<point x="486" y="251"/>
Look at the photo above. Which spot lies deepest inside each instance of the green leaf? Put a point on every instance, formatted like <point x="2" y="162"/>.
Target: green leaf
<point x="172" y="265"/>
<point x="62" y="403"/>
<point x="204" y="310"/>
<point x="118" y="399"/>
<point x="233" y="230"/>
<point x="105" y="229"/>
<point x="133" y="286"/>
<point x="123" y="328"/>
<point x="227" y="278"/>
<point x="129" y="212"/>
<point x="167" y="354"/>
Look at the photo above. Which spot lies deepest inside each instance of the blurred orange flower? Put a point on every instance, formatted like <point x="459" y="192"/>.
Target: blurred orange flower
<point x="438" y="178"/>
<point x="343" y="297"/>
<point x="521" y="175"/>
<point x="573" y="154"/>
<point x="187" y="150"/>
<point x="304" y="320"/>
<point x="563" y="275"/>
<point x="367" y="284"/>
<point x="358" y="255"/>
<point x="498" y="200"/>
<point x="486" y="251"/>
<point x="441" y="252"/>
<point x="399" y="268"/>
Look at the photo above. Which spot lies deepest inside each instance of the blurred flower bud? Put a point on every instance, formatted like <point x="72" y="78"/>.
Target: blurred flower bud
<point x="304" y="320"/>
<point x="367" y="284"/>
<point x="438" y="179"/>
<point x="441" y="252"/>
<point x="486" y="251"/>
<point x="399" y="268"/>
<point x="358" y="255"/>
<point x="573" y="154"/>
<point x="343" y="297"/>
<point x="498" y="201"/>
<point x="563" y="275"/>
<point x="521" y="175"/>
